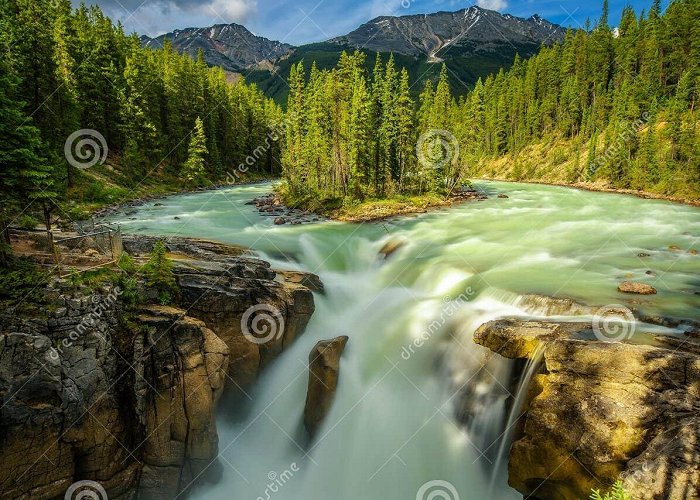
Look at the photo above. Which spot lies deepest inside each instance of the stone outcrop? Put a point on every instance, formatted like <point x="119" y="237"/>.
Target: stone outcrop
<point x="636" y="288"/>
<point x="180" y="367"/>
<point x="61" y="416"/>
<point x="324" y="368"/>
<point x="390" y="247"/>
<point x="90" y="391"/>
<point x="598" y="411"/>
<point x="235" y="294"/>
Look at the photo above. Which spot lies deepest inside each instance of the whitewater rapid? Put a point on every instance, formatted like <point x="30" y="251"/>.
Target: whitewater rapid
<point x="410" y="359"/>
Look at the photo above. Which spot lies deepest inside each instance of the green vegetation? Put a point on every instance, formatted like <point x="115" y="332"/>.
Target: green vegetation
<point x="22" y="282"/>
<point x="193" y="169"/>
<point x="617" y="493"/>
<point x="465" y="67"/>
<point x="158" y="272"/>
<point x="614" y="110"/>
<point x="352" y="136"/>
<point x="618" y="111"/>
<point x="66" y="70"/>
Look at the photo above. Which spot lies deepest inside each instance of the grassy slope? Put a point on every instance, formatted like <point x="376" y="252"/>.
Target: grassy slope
<point x="106" y="185"/>
<point x="553" y="161"/>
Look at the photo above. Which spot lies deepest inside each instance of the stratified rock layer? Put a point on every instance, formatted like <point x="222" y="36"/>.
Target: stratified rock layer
<point x="599" y="411"/>
<point x="91" y="393"/>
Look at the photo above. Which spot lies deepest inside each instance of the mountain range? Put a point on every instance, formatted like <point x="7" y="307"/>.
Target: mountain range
<point x="472" y="42"/>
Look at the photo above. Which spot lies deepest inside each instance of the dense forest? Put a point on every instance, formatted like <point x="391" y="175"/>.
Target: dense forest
<point x="611" y="106"/>
<point x="622" y="103"/>
<point x="159" y="113"/>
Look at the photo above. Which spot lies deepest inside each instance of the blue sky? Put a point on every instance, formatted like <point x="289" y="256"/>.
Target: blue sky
<point x="304" y="21"/>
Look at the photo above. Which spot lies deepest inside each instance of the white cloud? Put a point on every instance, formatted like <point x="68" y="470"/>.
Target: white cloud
<point x="230" y="11"/>
<point x="156" y="17"/>
<point x="492" y="4"/>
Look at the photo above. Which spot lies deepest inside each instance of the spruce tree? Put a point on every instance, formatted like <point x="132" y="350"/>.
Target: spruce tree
<point x="194" y="169"/>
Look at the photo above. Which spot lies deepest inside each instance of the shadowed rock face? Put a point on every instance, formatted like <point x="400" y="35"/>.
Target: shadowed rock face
<point x="324" y="368"/>
<point x="88" y="393"/>
<point x="220" y="283"/>
<point x="181" y="370"/>
<point x="602" y="410"/>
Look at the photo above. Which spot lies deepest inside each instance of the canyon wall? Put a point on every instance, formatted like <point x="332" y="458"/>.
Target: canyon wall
<point x="93" y="390"/>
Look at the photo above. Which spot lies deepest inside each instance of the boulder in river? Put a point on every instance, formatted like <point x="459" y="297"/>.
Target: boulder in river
<point x="390" y="247"/>
<point x="635" y="287"/>
<point x="324" y="368"/>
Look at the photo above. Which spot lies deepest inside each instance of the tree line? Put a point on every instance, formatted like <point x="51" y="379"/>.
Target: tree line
<point x="624" y="101"/>
<point x="65" y="70"/>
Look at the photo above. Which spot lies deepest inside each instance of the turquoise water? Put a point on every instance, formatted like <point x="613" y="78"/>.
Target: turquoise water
<point x="392" y="428"/>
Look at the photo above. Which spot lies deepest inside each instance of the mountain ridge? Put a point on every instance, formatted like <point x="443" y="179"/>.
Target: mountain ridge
<point x="231" y="46"/>
<point x="474" y="42"/>
<point x="427" y="34"/>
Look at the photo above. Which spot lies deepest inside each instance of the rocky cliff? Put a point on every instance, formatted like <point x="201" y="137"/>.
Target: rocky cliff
<point x="91" y="391"/>
<point x="599" y="411"/>
<point x="230" y="46"/>
<point x="470" y="31"/>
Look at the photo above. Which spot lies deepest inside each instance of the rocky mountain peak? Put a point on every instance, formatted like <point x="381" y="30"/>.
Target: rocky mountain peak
<point x="230" y="46"/>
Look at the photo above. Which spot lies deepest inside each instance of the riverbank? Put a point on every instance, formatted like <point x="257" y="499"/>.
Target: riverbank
<point x="562" y="162"/>
<point x="601" y="188"/>
<point x="377" y="210"/>
<point x="139" y="201"/>
<point x="153" y="434"/>
<point x="105" y="189"/>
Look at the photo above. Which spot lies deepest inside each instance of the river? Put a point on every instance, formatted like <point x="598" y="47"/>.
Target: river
<point x="392" y="432"/>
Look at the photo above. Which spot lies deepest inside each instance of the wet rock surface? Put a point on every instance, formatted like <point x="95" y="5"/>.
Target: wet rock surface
<point x="181" y="368"/>
<point x="270" y="205"/>
<point x="324" y="370"/>
<point x="602" y="410"/>
<point x="636" y="288"/>
<point x="90" y="391"/>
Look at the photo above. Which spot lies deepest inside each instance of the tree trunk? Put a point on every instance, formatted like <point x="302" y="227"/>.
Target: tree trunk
<point x="47" y="216"/>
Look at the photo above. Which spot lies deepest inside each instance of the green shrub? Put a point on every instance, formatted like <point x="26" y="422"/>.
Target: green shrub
<point x="158" y="272"/>
<point x="617" y="493"/>
<point x="27" y="222"/>
<point x="23" y="280"/>
<point x="126" y="263"/>
<point x="559" y="156"/>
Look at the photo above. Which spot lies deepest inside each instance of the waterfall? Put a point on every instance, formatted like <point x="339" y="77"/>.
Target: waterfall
<point x="418" y="403"/>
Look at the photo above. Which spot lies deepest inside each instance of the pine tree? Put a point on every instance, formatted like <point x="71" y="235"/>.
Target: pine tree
<point x="27" y="176"/>
<point x="194" y="169"/>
